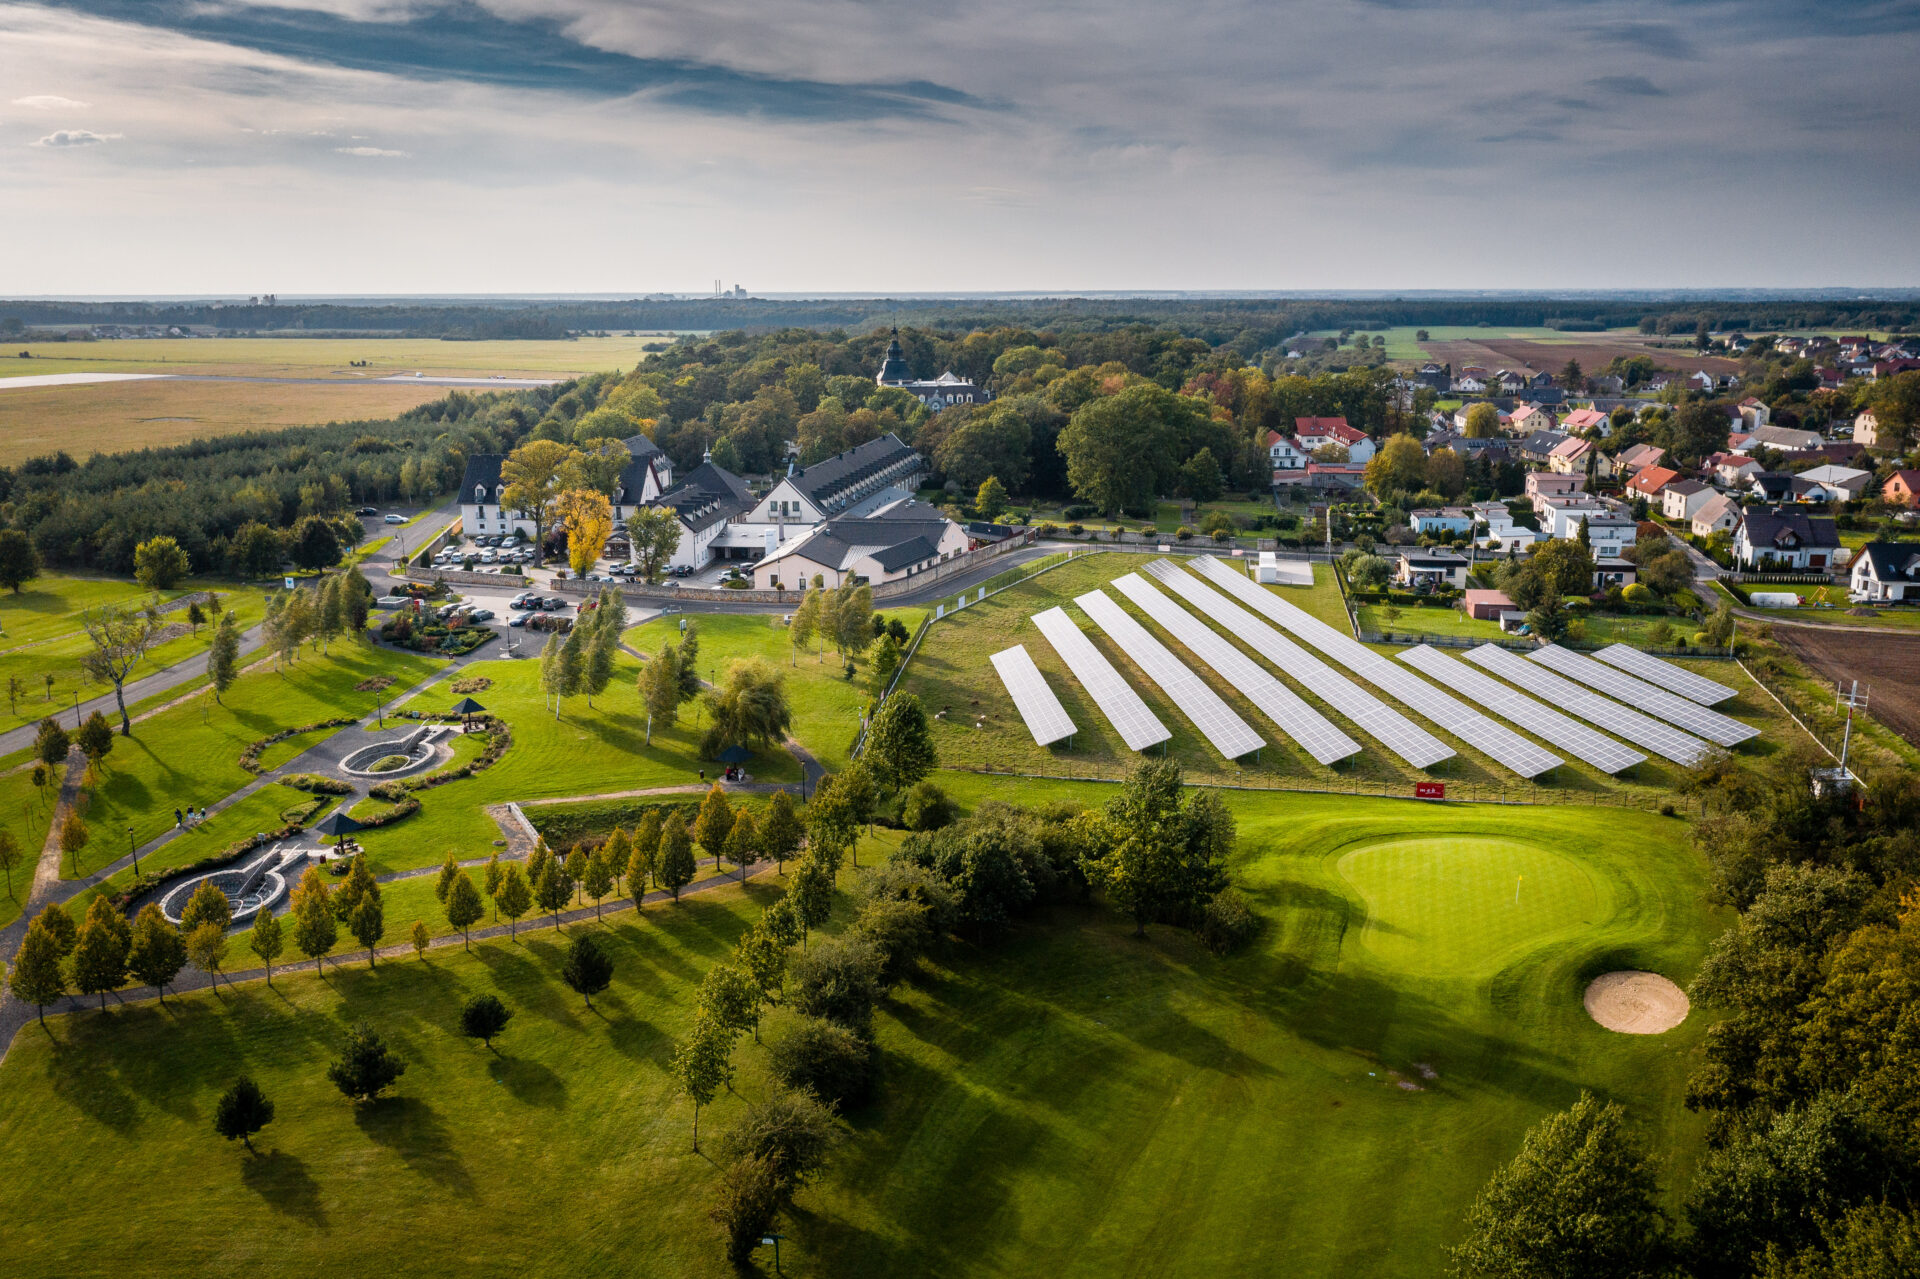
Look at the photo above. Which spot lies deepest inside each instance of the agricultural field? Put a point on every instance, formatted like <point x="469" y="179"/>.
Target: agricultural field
<point x="977" y="727"/>
<point x="308" y="357"/>
<point x="1412" y="1005"/>
<point x="1884" y="665"/>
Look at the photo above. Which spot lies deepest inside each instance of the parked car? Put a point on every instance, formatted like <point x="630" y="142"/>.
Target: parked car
<point x="553" y="604"/>
<point x="394" y="517"/>
<point x="519" y="621"/>
<point x="368" y="510"/>
<point x="480" y="615"/>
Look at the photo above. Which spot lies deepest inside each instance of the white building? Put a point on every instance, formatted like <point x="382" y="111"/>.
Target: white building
<point x="900" y="540"/>
<point x="1884" y="572"/>
<point x="942" y="392"/>
<point x="649" y="474"/>
<point x="835" y="486"/>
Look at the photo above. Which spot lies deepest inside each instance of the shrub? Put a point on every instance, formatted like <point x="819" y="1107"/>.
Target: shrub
<point x="839" y="980"/>
<point x="792" y="1130"/>
<point x="830" y="1061"/>
<point x="1184" y="533"/>
<point x="1638" y="593"/>
<point x="926" y="807"/>
<point x="314" y="784"/>
<point x="1226" y="925"/>
<point x="1076" y="529"/>
<point x="744" y="1206"/>
<point x="1078" y="511"/>
<point x="898" y="930"/>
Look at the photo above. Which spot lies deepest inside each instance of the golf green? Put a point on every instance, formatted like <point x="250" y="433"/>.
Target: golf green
<point x="1466" y="904"/>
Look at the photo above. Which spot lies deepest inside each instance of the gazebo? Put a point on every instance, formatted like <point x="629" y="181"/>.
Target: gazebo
<point x="465" y="708"/>
<point x="337" y="824"/>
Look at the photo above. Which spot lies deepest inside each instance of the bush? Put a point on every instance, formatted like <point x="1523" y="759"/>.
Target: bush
<point x="1079" y="511"/>
<point x="314" y="784"/>
<point x="830" y="1061"/>
<point x="792" y="1130"/>
<point x="1184" y="533"/>
<point x="926" y="807"/>
<point x="744" y="1206"/>
<point x="1076" y="529"/>
<point x="1226" y="925"/>
<point x="898" y="931"/>
<point x="838" y="980"/>
<point x="1637" y="593"/>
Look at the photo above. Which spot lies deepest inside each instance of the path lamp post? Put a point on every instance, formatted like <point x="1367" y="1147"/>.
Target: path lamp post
<point x="135" y="850"/>
<point x="774" y="1239"/>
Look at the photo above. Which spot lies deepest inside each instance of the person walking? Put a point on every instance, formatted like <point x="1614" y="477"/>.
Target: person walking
<point x="178" y="822"/>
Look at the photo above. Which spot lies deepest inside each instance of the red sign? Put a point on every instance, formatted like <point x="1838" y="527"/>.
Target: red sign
<point x="1429" y="790"/>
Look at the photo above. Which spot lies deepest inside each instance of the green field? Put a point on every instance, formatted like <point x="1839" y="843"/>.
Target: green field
<point x="979" y="728"/>
<point x="1067" y="1101"/>
<point x="1451" y="622"/>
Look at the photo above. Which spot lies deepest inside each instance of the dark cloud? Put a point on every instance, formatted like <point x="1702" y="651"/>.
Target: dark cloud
<point x="1658" y="39"/>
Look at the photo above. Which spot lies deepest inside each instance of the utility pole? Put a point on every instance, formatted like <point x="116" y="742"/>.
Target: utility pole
<point x="1852" y="698"/>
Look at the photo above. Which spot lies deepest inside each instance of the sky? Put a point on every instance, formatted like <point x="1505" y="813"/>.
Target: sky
<point x="616" y="146"/>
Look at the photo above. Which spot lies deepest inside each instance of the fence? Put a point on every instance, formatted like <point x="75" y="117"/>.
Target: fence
<point x="1831" y="748"/>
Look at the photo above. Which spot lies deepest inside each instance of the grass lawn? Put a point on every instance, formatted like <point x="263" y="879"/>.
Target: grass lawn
<point x="1452" y="622"/>
<point x="1070" y="1100"/>
<point x="952" y="673"/>
<point x="41" y="633"/>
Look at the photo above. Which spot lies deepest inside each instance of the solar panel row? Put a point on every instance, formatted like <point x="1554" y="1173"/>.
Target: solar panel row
<point x="1675" y="679"/>
<point x="1498" y="742"/>
<point x="1388" y="726"/>
<point x="1542" y="721"/>
<point x="1617" y="684"/>
<point x="1312" y="730"/>
<point x="1138" y="727"/>
<point x="1188" y="692"/>
<point x="1661" y="738"/>
<point x="1046" y="719"/>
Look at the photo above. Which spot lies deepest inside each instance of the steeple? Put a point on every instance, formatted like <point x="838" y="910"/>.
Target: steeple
<point x="894" y="368"/>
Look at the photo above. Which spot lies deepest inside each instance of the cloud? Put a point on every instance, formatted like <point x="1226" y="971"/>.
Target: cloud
<point x="376" y="152"/>
<point x="50" y="102"/>
<point x="1637" y="86"/>
<point x="1657" y="39"/>
<point x="74" y="138"/>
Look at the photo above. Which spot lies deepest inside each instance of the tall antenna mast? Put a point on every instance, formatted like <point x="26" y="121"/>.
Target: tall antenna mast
<point x="1853" y="699"/>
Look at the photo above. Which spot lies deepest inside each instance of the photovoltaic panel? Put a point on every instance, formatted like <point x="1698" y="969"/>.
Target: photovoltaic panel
<point x="1500" y="743"/>
<point x="1675" y="679"/>
<point x="1312" y="730"/>
<point x="1542" y="721"/>
<point x="1388" y="726"/>
<point x="1692" y="716"/>
<point x="1658" y="736"/>
<point x="1138" y="727"/>
<point x="1215" y="719"/>
<point x="1046" y="719"/>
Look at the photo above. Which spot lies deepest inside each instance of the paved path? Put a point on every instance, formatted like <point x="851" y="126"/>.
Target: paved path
<point x="46" y="872"/>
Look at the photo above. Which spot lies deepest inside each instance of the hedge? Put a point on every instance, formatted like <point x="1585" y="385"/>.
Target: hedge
<point x="314" y="784"/>
<point x="250" y="757"/>
<point x="566" y="826"/>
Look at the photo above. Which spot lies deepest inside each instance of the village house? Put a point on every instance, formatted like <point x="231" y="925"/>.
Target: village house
<point x="1581" y="421"/>
<point x="942" y="392"/>
<point x="1313" y="433"/>
<point x="868" y="475"/>
<point x="1443" y="521"/>
<point x="1426" y="570"/>
<point x="1733" y="469"/>
<point x="1831" y="484"/>
<point x="1501" y="528"/>
<point x="1769" y="537"/>
<point x="1884" y="572"/>
<point x="1680" y="499"/>
<point x="1755" y="413"/>
<point x="1718" y="514"/>
<point x="1647" y="483"/>
<point x="1784" y="439"/>
<point x="1284" y="455"/>
<point x="1570" y="457"/>
<point x="1528" y="418"/>
<point x="1866" y="430"/>
<point x="1902" y="488"/>
<point x="1638" y="457"/>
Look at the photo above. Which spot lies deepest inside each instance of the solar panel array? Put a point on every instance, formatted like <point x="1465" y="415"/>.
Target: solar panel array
<point x="1661" y="738"/>
<point x="1046" y="719"/>
<point x="1312" y="730"/>
<point x="1138" y="727"/>
<point x="1675" y="679"/>
<point x="1199" y="703"/>
<point x="1498" y="742"/>
<point x="1388" y="726"/>
<point x="1691" y="716"/>
<point x="1542" y="721"/>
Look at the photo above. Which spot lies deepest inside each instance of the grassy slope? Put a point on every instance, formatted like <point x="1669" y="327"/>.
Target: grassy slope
<point x="1069" y="1101"/>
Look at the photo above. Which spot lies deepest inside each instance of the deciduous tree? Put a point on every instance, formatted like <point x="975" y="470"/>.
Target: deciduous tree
<point x="587" y="969"/>
<point x="36" y="977"/>
<point x="242" y="1111"/>
<point x="515" y="898"/>
<point x="159" y="563"/>
<point x="899" y="747"/>
<point x="464" y="907"/>
<point x="268" y="940"/>
<point x="120" y="638"/>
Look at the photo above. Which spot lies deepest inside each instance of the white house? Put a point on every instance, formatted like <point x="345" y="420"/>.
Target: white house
<point x="1284" y="455"/>
<point x="1783" y="438"/>
<point x="834" y="486"/>
<point x="1680" y="499"/>
<point x="1833" y="483"/>
<point x="1718" y="514"/>
<point x="1884" y="572"/>
<point x="1313" y="433"/>
<point x="897" y="541"/>
<point x="1786" y="540"/>
<point x="645" y="477"/>
<point x="1501" y="529"/>
<point x="942" y="392"/>
<point x="1610" y="535"/>
<point x="1441" y="520"/>
<point x="706" y="502"/>
<point x="1866" y="430"/>
<point x="1755" y="413"/>
<point x="1423" y="570"/>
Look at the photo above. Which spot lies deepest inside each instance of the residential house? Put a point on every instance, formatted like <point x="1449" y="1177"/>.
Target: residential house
<point x="1680" y="499"/>
<point x="1539" y="446"/>
<point x="1866" y="430"/>
<point x="882" y="469"/>
<point x="1611" y="534"/>
<point x="1755" y="413"/>
<point x="1313" y="433"/>
<point x="900" y="540"/>
<point x="1546" y="484"/>
<point x="1528" y="418"/>
<point x="1571" y="456"/>
<point x="1718" y="514"/>
<point x="1607" y="384"/>
<point x="1493" y="449"/>
<point x="1441" y="521"/>
<point x="1649" y="481"/>
<point x="1784" y="439"/>
<point x="1839" y="453"/>
<point x="1838" y="483"/>
<point x="1700" y="381"/>
<point x="1771" y="486"/>
<point x="1637" y="457"/>
<point x="1336" y="477"/>
<point x="1883" y="572"/>
<point x="1769" y="537"/>
<point x="1611" y="570"/>
<point x="1426" y="570"/>
<point x="1560" y="517"/>
<point x="1733" y="469"/>
<point x="1437" y="376"/>
<point x="1501" y="528"/>
<point x="1470" y="384"/>
<point x="1284" y="455"/>
<point x="1902" y="488"/>
<point x="1580" y="421"/>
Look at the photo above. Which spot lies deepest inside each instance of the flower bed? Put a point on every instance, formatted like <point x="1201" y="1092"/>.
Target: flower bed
<point x="250" y="757"/>
<point x="314" y="784"/>
<point x="399" y="806"/>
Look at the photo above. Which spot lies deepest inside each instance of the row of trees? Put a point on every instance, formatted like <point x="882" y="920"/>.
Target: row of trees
<point x="582" y="663"/>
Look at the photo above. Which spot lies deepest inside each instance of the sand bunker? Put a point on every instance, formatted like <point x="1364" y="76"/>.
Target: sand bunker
<point x="1636" y="1003"/>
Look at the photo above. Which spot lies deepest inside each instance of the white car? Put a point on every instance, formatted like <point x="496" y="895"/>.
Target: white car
<point x="488" y="557"/>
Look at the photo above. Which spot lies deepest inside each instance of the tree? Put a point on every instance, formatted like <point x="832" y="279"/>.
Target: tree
<point x="676" y="869"/>
<point x="839" y="980"/>
<point x="1446" y="473"/>
<point x="589" y="519"/>
<point x="1548" y="619"/>
<point x="120" y="638"/>
<point x="899" y="748"/>
<point x="367" y="1067"/>
<point x="95" y="738"/>
<point x="100" y="955"/>
<point x="159" y="563"/>
<point x="421" y="937"/>
<point x="1399" y="467"/>
<point x="314" y="927"/>
<point x="51" y="744"/>
<point x="1122" y="450"/>
<point x="603" y="642"/>
<point x="223" y="655"/>
<point x="483" y="1017"/>
<point x="576" y="864"/>
<point x="19" y="561"/>
<point x="686" y="662"/>
<point x="743" y="842"/>
<point x="806" y="621"/>
<point x="654" y="533"/>
<point x="491" y="881"/>
<point x="443" y="881"/>
<point x="749" y="708"/>
<point x="598" y="880"/>
<point x="812" y="893"/>
<point x="639" y="869"/>
<point x="196" y="617"/>
<point x="74" y="836"/>
<point x="242" y="1111"/>
<point x="1200" y="477"/>
<point x="1718" y="631"/>
<point x="315" y="544"/>
<point x="1565" y="567"/>
<point x="1159" y="857"/>
<point x="515" y="898"/>
<point x="660" y="690"/>
<point x="531" y="475"/>
<point x="464" y="907"/>
<point x="9" y="858"/>
<point x="588" y="969"/>
<point x="36" y="977"/>
<point x="207" y="905"/>
<point x="256" y="551"/>
<point x="1483" y="422"/>
<point x="792" y="1129"/>
<point x="268" y="940"/>
<point x="61" y="925"/>
<point x="824" y="1059"/>
<point x="714" y="822"/>
<point x="569" y="668"/>
<point x="745" y="1203"/>
<point x="1572" y="378"/>
<point x="701" y="1062"/>
<point x="1578" y="1202"/>
<point x="552" y="889"/>
<point x="833" y="821"/>
<point x="780" y="832"/>
<point x="847" y="618"/>
<point x="991" y="501"/>
<point x="207" y="948"/>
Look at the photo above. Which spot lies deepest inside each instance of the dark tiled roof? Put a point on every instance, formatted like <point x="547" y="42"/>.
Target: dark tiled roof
<point x="709" y="495"/>
<point x="482" y="469"/>
<point x="1893" y="561"/>
<point x="826" y="479"/>
<point x="909" y="552"/>
<point x="1769" y="528"/>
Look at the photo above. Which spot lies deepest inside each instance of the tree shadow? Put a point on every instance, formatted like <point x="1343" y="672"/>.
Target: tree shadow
<point x="284" y="1182"/>
<point x="409" y="1127"/>
<point x="529" y="1082"/>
